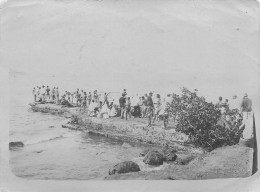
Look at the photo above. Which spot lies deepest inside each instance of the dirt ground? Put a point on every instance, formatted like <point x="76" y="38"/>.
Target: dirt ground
<point x="226" y="162"/>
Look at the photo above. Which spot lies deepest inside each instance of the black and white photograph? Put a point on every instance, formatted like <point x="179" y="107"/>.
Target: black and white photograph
<point x="131" y="90"/>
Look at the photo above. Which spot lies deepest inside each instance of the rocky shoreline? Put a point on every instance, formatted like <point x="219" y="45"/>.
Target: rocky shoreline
<point x="131" y="130"/>
<point x="135" y="130"/>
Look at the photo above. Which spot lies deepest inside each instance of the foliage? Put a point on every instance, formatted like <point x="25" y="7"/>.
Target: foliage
<point x="203" y="121"/>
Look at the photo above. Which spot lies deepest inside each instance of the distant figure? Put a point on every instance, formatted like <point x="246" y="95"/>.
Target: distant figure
<point x="157" y="107"/>
<point x="150" y="109"/>
<point x="113" y="112"/>
<point x="89" y="98"/>
<point x="95" y="96"/>
<point x="128" y="108"/>
<point x="122" y="106"/>
<point x="145" y="105"/>
<point x="78" y="97"/>
<point x="84" y="102"/>
<point x="219" y="103"/>
<point x="57" y="94"/>
<point x="53" y="93"/>
<point x="247" y="113"/>
<point x="226" y="104"/>
<point x="43" y="90"/>
<point x="48" y="93"/>
<point x="105" y="97"/>
<point x="168" y="99"/>
<point x="124" y="92"/>
<point x="34" y="94"/>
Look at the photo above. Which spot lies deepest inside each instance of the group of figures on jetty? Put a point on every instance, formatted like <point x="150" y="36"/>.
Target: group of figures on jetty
<point x="149" y="106"/>
<point x="93" y="104"/>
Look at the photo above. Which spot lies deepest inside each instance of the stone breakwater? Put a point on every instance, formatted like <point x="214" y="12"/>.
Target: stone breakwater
<point x="131" y="130"/>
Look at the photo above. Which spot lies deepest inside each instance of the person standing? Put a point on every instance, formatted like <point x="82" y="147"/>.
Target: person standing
<point x="57" y="94"/>
<point x="39" y="94"/>
<point x="219" y="103"/>
<point x="53" y="93"/>
<point x="157" y="107"/>
<point x="128" y="108"/>
<point x="105" y="97"/>
<point x="150" y="109"/>
<point x="48" y="93"/>
<point x="43" y="92"/>
<point x="89" y="98"/>
<point x="34" y="94"/>
<point x="122" y="103"/>
<point x="247" y="114"/>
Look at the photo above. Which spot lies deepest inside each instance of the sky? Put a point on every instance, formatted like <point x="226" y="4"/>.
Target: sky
<point x="142" y="46"/>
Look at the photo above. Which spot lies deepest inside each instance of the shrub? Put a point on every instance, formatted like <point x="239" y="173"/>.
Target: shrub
<point x="203" y="122"/>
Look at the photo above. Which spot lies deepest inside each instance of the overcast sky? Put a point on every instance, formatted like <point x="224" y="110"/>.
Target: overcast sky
<point x="139" y="45"/>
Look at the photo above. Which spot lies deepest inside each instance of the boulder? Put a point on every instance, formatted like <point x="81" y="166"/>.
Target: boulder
<point x="15" y="144"/>
<point x="144" y="152"/>
<point x="153" y="158"/>
<point x="171" y="156"/>
<point x="124" y="167"/>
<point x="184" y="160"/>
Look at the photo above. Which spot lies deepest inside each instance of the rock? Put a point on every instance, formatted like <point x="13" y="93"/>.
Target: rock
<point x="144" y="152"/>
<point x="126" y="145"/>
<point x="124" y="167"/>
<point x="153" y="158"/>
<point x="15" y="144"/>
<point x="70" y="126"/>
<point x="183" y="160"/>
<point x="38" y="151"/>
<point x="170" y="156"/>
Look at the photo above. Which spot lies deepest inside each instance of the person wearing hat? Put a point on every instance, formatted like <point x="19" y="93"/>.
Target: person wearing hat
<point x="247" y="114"/>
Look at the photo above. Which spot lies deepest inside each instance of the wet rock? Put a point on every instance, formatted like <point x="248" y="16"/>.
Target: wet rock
<point x="124" y="167"/>
<point x="15" y="144"/>
<point x="184" y="160"/>
<point x="70" y="126"/>
<point x="144" y="152"/>
<point x="171" y="156"/>
<point x="153" y="158"/>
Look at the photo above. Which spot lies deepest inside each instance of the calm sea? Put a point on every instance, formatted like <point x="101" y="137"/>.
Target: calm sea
<point x="52" y="152"/>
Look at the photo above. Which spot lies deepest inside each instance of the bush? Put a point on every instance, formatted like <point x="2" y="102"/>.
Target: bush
<point x="203" y="122"/>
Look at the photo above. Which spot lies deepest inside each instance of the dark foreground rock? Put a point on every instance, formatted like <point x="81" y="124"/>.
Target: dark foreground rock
<point x="226" y="162"/>
<point x="154" y="158"/>
<point x="15" y="144"/>
<point x="171" y="156"/>
<point x="124" y="167"/>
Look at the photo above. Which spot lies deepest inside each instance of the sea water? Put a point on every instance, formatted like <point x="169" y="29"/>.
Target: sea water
<point x="52" y="152"/>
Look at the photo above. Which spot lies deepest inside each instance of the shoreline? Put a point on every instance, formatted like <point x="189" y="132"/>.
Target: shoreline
<point x="224" y="162"/>
<point x="131" y="130"/>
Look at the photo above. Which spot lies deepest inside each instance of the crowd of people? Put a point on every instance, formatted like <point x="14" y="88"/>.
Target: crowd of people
<point x="149" y="106"/>
<point x="93" y="104"/>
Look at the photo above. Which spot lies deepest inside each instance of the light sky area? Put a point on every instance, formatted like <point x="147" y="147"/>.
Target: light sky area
<point x="142" y="46"/>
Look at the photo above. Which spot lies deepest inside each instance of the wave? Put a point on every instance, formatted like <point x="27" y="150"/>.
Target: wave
<point x="146" y="167"/>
